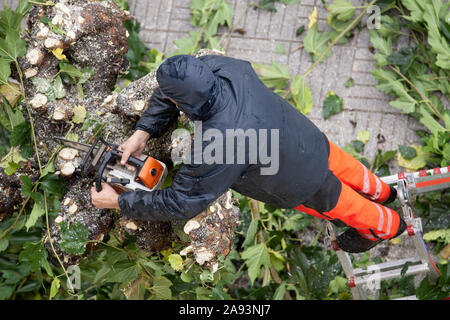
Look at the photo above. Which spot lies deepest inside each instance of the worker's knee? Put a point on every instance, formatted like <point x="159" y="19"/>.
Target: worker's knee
<point x="327" y="197"/>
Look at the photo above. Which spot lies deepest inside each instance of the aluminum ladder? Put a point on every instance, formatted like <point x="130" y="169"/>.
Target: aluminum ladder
<point x="407" y="185"/>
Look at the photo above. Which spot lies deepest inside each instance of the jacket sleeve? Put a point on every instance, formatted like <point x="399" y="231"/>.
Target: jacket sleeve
<point x="193" y="189"/>
<point x="159" y="116"/>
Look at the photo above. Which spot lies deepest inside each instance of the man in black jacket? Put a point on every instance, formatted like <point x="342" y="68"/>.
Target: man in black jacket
<point x="311" y="174"/>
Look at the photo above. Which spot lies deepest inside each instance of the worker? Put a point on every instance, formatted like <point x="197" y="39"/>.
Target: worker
<point x="312" y="175"/>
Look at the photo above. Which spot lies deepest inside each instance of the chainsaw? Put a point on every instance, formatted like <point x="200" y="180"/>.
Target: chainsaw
<point x="102" y="158"/>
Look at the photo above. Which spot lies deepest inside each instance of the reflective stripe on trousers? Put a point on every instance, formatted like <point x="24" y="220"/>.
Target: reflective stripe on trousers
<point x="357" y="204"/>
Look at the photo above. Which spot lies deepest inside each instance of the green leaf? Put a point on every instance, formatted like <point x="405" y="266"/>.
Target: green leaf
<point x="42" y="85"/>
<point x="363" y="136"/>
<point x="279" y="293"/>
<point x="385" y="4"/>
<point x="417" y="162"/>
<point x="54" y="288"/>
<point x="136" y="49"/>
<point x="332" y="105"/>
<point x="124" y="272"/>
<point x="435" y="235"/>
<point x="300" y="31"/>
<point x="403" y="58"/>
<point x="5" y="71"/>
<point x="389" y="27"/>
<point x="437" y="42"/>
<point x="74" y="238"/>
<point x="9" y="118"/>
<point x="251" y="233"/>
<point x="21" y="135"/>
<point x="358" y="145"/>
<point x="446" y="152"/>
<point x="383" y="46"/>
<point x="429" y="290"/>
<point x="6" y="291"/>
<point x="13" y="46"/>
<point x="37" y="212"/>
<point x="350" y="149"/>
<point x="383" y="158"/>
<point x="349" y="83"/>
<point x="176" y="261"/>
<point x="290" y="2"/>
<point x="415" y="9"/>
<point x="388" y="83"/>
<point x="11" y="162"/>
<point x="161" y="288"/>
<point x="10" y="21"/>
<point x="35" y="255"/>
<point x="23" y="7"/>
<point x="428" y="121"/>
<point x="268" y="5"/>
<point x="275" y="76"/>
<point x="188" y="45"/>
<point x="316" y="43"/>
<point x="301" y="94"/>
<point x="407" y="153"/>
<point x="256" y="257"/>
<point x="339" y="284"/>
<point x="79" y="114"/>
<point x="53" y="184"/>
<point x="58" y="88"/>
<point x="4" y="243"/>
<point x="342" y="9"/>
<point x="281" y="49"/>
<point x="70" y="70"/>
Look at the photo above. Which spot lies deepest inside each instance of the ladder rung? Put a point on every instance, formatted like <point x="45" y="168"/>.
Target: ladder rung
<point x="390" y="274"/>
<point x="385" y="266"/>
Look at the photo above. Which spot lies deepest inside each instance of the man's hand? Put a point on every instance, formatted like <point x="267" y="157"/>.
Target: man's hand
<point x="108" y="198"/>
<point x="133" y="146"/>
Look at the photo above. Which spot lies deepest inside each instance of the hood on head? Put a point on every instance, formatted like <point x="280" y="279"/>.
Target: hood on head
<point x="190" y="82"/>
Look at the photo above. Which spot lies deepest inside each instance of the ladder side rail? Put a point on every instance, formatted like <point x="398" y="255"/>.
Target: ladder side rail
<point x="393" y="179"/>
<point x="346" y="263"/>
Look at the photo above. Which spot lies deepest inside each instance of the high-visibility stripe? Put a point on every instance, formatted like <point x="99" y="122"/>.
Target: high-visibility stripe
<point x="388" y="230"/>
<point x="378" y="189"/>
<point x="381" y="217"/>
<point x="366" y="185"/>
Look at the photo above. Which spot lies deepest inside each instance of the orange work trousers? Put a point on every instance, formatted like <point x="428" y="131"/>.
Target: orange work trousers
<point x="352" y="194"/>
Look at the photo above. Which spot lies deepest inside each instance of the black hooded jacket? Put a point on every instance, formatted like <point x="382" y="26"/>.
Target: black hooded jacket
<point x="225" y="93"/>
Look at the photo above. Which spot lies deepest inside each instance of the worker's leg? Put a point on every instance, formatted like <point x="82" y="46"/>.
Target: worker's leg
<point x="354" y="174"/>
<point x="336" y="200"/>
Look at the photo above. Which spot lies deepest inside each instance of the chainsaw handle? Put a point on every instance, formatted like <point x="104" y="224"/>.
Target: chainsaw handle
<point x="131" y="160"/>
<point x="101" y="169"/>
